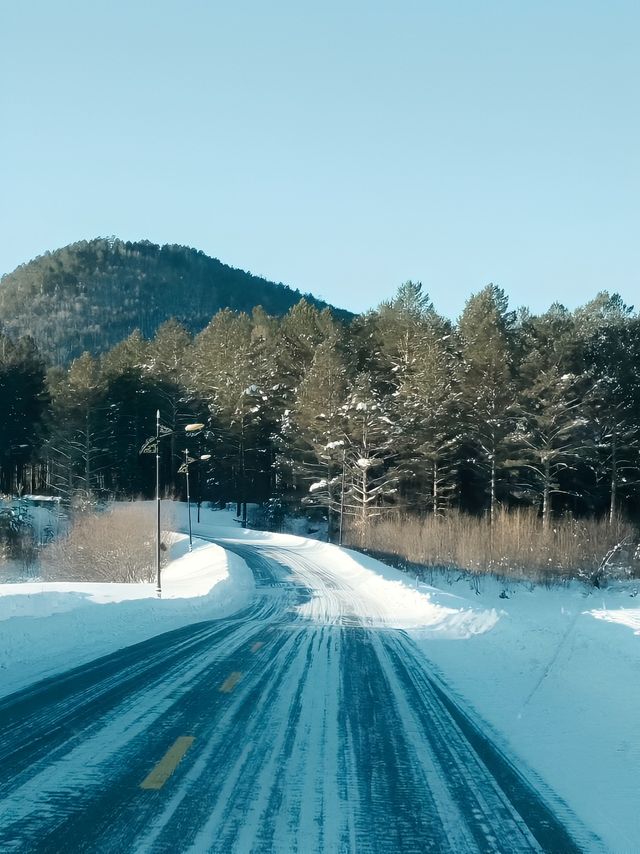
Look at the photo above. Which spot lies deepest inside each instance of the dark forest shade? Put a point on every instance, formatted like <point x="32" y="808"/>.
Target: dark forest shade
<point x="91" y="294"/>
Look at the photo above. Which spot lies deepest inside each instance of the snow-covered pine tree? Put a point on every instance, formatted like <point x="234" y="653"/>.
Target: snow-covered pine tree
<point x="314" y="430"/>
<point x="370" y="460"/>
<point x="401" y="326"/>
<point x="419" y="354"/>
<point x="613" y="406"/>
<point x="487" y="393"/>
<point x="549" y="436"/>
<point x="302" y="329"/>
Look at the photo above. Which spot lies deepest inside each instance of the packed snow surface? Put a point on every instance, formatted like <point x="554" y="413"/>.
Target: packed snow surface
<point x="555" y="673"/>
<point x="558" y="680"/>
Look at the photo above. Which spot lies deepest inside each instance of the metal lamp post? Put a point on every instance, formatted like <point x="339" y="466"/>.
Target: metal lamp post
<point x="184" y="469"/>
<point x="151" y="446"/>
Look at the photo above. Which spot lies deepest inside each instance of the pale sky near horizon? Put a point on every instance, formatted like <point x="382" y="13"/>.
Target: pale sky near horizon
<point x="339" y="147"/>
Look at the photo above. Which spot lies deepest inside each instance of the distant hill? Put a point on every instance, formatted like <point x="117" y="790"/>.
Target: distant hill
<point x="91" y="294"/>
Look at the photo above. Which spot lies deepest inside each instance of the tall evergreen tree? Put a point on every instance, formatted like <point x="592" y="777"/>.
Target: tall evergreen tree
<point x="24" y="400"/>
<point x="77" y="447"/>
<point x="426" y="407"/>
<point x="168" y="356"/>
<point x="548" y="438"/>
<point x="486" y="330"/>
<point x="314" y="430"/>
<point x="372" y="473"/>
<point x="613" y="406"/>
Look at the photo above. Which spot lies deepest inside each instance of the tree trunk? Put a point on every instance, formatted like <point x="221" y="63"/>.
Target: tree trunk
<point x="435" y="489"/>
<point x="330" y="509"/>
<point x="87" y="450"/>
<point x="492" y="508"/>
<point x="546" y="497"/>
<point x="364" y="506"/>
<point x="614" y="480"/>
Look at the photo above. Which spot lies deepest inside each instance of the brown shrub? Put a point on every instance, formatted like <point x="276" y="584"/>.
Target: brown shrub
<point x="117" y="544"/>
<point x="516" y="546"/>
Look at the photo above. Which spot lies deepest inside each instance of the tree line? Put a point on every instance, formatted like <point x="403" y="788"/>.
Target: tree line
<point x="396" y="409"/>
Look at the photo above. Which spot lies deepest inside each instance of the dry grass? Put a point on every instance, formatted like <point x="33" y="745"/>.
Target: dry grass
<point x="516" y="546"/>
<point x="117" y="544"/>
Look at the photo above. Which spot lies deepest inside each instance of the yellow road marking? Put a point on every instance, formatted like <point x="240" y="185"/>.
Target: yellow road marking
<point x="168" y="764"/>
<point x="257" y="646"/>
<point x="230" y="682"/>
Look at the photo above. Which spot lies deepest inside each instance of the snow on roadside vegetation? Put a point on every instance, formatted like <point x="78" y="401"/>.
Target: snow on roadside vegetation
<point x="49" y="627"/>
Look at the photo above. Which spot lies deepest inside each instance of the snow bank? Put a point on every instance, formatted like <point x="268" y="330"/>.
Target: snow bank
<point x="49" y="627"/>
<point x="355" y="588"/>
<point x="371" y="592"/>
<point x="558" y="679"/>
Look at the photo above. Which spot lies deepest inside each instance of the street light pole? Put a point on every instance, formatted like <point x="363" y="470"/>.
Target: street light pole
<point x="158" y="584"/>
<point x="186" y="471"/>
<point x="151" y="446"/>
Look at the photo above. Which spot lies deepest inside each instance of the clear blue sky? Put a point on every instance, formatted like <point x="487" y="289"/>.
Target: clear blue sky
<point x="339" y="147"/>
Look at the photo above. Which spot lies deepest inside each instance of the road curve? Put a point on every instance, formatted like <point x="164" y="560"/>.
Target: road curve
<point x="267" y="732"/>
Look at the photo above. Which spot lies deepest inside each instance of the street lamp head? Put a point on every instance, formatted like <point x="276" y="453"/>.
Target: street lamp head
<point x="205" y="457"/>
<point x="193" y="428"/>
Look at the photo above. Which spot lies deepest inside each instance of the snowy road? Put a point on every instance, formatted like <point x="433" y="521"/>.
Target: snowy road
<point x="270" y="731"/>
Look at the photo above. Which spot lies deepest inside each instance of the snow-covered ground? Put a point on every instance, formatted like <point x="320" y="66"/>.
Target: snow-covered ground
<point x="555" y="673"/>
<point x="49" y="627"/>
<point x="557" y="677"/>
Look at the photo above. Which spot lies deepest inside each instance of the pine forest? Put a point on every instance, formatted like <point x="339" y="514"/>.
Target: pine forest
<point x="398" y="411"/>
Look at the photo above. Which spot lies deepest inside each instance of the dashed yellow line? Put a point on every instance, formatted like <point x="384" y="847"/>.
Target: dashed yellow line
<point x="168" y="764"/>
<point x="257" y="646"/>
<point x="230" y="682"/>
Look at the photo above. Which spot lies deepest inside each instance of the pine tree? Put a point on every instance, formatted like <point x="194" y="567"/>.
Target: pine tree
<point x="418" y="355"/>
<point x="77" y="447"/>
<point x="302" y="329"/>
<point x="486" y="330"/>
<point x="401" y="324"/>
<point x="168" y="357"/>
<point x="232" y="376"/>
<point x="24" y="400"/>
<point x="314" y="430"/>
<point x="371" y="473"/>
<point x="426" y="406"/>
<point x="131" y="399"/>
<point x="548" y="438"/>
<point x="613" y="406"/>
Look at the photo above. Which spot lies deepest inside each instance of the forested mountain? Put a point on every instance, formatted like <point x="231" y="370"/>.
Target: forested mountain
<point x="92" y="294"/>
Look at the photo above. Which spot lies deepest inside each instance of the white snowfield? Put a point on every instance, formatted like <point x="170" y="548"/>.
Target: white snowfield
<point x="554" y="673"/>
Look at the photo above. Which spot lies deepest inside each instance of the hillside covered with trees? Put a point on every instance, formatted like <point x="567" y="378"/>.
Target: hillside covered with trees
<point x="92" y="294"/>
<point x="400" y="408"/>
